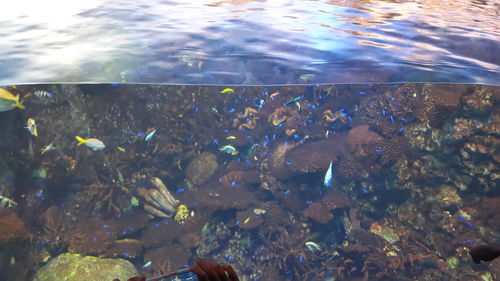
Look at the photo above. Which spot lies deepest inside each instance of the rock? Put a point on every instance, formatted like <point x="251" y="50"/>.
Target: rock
<point x="74" y="267"/>
<point x="202" y="168"/>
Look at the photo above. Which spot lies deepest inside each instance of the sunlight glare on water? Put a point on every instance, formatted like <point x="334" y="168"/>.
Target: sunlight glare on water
<point x="249" y="42"/>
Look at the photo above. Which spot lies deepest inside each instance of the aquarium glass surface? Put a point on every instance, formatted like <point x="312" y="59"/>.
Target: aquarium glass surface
<point x="293" y="140"/>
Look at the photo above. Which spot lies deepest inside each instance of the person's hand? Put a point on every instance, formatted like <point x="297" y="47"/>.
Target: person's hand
<point x="207" y="270"/>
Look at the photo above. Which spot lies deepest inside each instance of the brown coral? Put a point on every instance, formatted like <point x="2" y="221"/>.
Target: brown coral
<point x="190" y="240"/>
<point x="318" y="212"/>
<point x="390" y="150"/>
<point x="348" y="169"/>
<point x="359" y="140"/>
<point x="240" y="177"/>
<point x="315" y="156"/>
<point x="336" y="199"/>
<point x="249" y="218"/>
<point x="12" y="227"/>
<point x="222" y="197"/>
<point x="322" y="211"/>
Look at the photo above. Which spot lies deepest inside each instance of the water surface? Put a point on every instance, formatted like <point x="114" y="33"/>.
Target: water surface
<point x="249" y="42"/>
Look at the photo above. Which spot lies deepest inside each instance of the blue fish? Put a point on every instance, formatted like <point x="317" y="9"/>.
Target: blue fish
<point x="150" y="135"/>
<point x="328" y="176"/>
<point x="299" y="98"/>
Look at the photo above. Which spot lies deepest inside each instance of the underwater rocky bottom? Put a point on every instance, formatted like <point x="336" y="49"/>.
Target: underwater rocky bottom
<point x="325" y="182"/>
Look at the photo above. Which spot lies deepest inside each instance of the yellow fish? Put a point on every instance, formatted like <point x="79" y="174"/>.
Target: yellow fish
<point x="31" y="126"/>
<point x="48" y="148"/>
<point x="9" y="101"/>
<point x="227" y="91"/>
<point x="230" y="138"/>
<point x="91" y="143"/>
<point x="246" y="220"/>
<point x="6" y="202"/>
<point x="121" y="148"/>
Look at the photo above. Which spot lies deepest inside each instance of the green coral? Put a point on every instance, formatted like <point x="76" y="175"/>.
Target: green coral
<point x="182" y="214"/>
<point x="74" y="267"/>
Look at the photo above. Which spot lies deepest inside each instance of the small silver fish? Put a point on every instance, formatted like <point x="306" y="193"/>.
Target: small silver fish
<point x="313" y="247"/>
<point x="6" y="202"/>
<point x="328" y="176"/>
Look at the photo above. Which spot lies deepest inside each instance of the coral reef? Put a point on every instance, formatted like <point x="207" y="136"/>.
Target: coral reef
<point x="415" y="176"/>
<point x="74" y="267"/>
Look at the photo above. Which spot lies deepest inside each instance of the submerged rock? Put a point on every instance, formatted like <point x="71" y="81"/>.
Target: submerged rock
<point x="74" y="267"/>
<point x="202" y="168"/>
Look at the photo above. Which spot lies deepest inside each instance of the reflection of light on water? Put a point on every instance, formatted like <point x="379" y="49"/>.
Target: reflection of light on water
<point x="56" y="38"/>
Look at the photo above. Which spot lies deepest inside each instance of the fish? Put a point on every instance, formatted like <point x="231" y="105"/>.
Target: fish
<point x="308" y="77"/>
<point x="230" y="138"/>
<point x="9" y="101"/>
<point x="246" y="220"/>
<point x="43" y="94"/>
<point x="92" y="143"/>
<point x="6" y="202"/>
<point x="48" y="148"/>
<point x="313" y="247"/>
<point x="147" y="265"/>
<point x="484" y="253"/>
<point x="294" y="100"/>
<point x="229" y="149"/>
<point x="328" y="176"/>
<point x="120" y="148"/>
<point x="150" y="135"/>
<point x="227" y="91"/>
<point x="31" y="126"/>
<point x="273" y="95"/>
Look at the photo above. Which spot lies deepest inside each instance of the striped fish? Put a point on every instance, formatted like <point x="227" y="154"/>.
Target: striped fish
<point x="43" y="94"/>
<point x="6" y="202"/>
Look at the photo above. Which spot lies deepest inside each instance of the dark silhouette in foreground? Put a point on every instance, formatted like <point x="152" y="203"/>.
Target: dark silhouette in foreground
<point x="484" y="253"/>
<point x="205" y="270"/>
